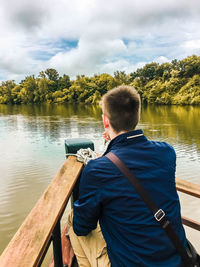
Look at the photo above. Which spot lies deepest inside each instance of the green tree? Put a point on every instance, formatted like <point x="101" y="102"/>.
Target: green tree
<point x="28" y="91"/>
<point x="148" y="72"/>
<point x="6" y="91"/>
<point x="15" y="92"/>
<point x="64" y="82"/>
<point x="104" y="83"/>
<point x="177" y="82"/>
<point x="189" y="93"/>
<point x="52" y="74"/>
<point x="121" y="77"/>
<point x="42" y="89"/>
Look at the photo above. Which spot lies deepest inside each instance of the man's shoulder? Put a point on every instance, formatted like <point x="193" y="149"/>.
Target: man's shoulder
<point x="97" y="167"/>
<point x="95" y="164"/>
<point x="163" y="152"/>
<point x="163" y="145"/>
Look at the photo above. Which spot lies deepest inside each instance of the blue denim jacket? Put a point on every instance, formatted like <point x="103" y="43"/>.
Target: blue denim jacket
<point x="133" y="236"/>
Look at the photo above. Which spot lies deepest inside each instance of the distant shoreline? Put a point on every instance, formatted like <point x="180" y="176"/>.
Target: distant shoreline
<point x="170" y="83"/>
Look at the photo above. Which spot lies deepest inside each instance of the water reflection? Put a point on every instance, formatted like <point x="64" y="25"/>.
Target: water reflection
<point x="32" y="148"/>
<point x="51" y="120"/>
<point x="174" y="122"/>
<point x="63" y="110"/>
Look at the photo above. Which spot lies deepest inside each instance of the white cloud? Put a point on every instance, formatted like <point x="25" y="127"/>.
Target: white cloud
<point x="122" y="65"/>
<point x="109" y="35"/>
<point x="86" y="58"/>
<point x="24" y="14"/>
<point x="161" y="59"/>
<point x="192" y="44"/>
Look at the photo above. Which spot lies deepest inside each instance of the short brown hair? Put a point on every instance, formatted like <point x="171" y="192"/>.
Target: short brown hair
<point x="122" y="106"/>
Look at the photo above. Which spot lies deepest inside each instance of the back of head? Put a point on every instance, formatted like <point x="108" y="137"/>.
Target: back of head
<point x="122" y="106"/>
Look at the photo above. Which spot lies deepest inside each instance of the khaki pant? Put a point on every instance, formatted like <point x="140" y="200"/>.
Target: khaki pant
<point x="90" y="250"/>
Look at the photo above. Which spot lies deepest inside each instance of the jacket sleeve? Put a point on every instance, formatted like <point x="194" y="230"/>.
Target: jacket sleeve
<point x="87" y="207"/>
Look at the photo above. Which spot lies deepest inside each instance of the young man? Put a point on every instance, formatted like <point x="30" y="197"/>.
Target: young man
<point x="132" y="235"/>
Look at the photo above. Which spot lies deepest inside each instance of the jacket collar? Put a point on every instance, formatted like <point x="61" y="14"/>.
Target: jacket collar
<point x="125" y="137"/>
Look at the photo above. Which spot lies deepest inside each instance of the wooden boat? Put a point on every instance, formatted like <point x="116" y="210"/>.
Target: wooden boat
<point x="29" y="245"/>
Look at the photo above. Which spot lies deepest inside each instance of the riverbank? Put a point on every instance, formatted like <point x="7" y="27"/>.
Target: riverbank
<point x="176" y="82"/>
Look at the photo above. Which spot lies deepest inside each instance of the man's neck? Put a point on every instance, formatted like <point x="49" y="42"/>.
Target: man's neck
<point x="113" y="134"/>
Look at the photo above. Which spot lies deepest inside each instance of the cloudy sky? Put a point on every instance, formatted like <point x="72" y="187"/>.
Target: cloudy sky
<point x="94" y="36"/>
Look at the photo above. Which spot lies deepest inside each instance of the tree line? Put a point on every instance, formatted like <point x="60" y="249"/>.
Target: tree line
<point x="175" y="82"/>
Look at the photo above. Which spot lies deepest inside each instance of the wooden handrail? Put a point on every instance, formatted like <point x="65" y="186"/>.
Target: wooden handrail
<point x="193" y="190"/>
<point x="191" y="223"/>
<point x="29" y="243"/>
<point x="188" y="187"/>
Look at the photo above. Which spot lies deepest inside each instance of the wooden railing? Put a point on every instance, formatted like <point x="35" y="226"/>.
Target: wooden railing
<point x="29" y="245"/>
<point x="189" y="189"/>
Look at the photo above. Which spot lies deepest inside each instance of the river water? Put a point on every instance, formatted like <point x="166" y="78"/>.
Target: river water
<point x="32" y="151"/>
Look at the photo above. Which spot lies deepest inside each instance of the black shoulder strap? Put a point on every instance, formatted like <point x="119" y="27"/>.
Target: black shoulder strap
<point x="158" y="214"/>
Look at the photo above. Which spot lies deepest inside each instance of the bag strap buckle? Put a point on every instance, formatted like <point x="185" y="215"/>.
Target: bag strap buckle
<point x="159" y="215"/>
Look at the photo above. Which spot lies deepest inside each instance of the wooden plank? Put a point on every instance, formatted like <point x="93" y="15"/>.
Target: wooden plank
<point x="28" y="244"/>
<point x="188" y="187"/>
<point x="191" y="223"/>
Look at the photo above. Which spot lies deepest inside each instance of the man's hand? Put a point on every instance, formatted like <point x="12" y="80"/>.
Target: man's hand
<point x="106" y="137"/>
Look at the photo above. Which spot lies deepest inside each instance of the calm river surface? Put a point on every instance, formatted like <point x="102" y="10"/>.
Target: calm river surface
<point x="32" y="151"/>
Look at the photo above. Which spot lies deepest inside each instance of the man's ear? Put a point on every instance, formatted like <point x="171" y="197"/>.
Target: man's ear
<point x="106" y="122"/>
